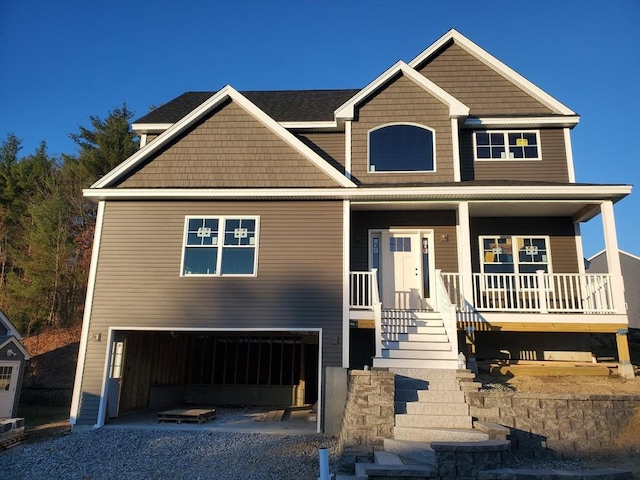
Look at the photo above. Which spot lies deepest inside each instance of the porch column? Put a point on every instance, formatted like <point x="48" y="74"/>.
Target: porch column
<point x="613" y="256"/>
<point x="346" y="261"/>
<point x="464" y="251"/>
<point x="625" y="369"/>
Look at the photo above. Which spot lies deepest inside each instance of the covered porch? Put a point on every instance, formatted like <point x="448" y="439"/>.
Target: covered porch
<point x="458" y="297"/>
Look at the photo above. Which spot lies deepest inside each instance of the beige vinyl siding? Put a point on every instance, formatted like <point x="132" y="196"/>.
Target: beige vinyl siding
<point x="478" y="86"/>
<point x="402" y="101"/>
<point x="229" y="148"/>
<point x="551" y="167"/>
<point x="138" y="282"/>
<point x="441" y="222"/>
<point x="562" y="243"/>
<point x="329" y="145"/>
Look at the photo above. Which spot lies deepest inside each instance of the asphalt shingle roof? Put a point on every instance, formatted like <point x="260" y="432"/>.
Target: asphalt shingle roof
<point x="282" y="106"/>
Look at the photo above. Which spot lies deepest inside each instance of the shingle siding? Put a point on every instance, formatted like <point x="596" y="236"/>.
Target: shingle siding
<point x="402" y="101"/>
<point x="478" y="86"/>
<point x="138" y="282"/>
<point x="230" y="148"/>
<point x="552" y="166"/>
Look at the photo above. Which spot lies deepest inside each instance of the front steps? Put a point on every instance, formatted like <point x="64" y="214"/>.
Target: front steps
<point x="390" y="465"/>
<point x="415" y="339"/>
<point x="430" y="406"/>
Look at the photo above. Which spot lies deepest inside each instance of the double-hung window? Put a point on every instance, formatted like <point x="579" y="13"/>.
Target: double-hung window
<point x="220" y="246"/>
<point x="515" y="254"/>
<point x="506" y="145"/>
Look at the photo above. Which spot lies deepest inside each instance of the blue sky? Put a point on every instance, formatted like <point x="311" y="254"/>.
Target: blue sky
<point x="64" y="60"/>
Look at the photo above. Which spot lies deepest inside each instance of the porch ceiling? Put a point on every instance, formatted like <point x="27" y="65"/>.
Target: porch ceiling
<point x="578" y="210"/>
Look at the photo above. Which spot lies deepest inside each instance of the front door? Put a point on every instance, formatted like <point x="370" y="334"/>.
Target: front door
<point x="401" y="269"/>
<point x="8" y="382"/>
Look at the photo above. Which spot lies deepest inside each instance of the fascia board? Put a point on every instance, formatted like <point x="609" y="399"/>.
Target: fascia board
<point x="308" y="125"/>
<point x="494" y="63"/>
<point x="150" y="127"/>
<point x="203" y="109"/>
<point x="569" y="121"/>
<point x="454" y="193"/>
<point x="18" y="345"/>
<point x="347" y="110"/>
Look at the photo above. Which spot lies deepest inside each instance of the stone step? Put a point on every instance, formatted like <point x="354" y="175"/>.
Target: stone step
<point x="419" y="354"/>
<point x="415" y="452"/>
<point x="414" y="472"/>
<point x="434" y="421"/>
<point x="415" y="337"/>
<point x="430" y="396"/>
<point x="438" y="434"/>
<point x="382" y="457"/>
<point x="414" y="363"/>
<point x="433" y="408"/>
<point x="421" y="346"/>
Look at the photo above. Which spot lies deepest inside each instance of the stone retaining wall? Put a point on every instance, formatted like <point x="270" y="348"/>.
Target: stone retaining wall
<point x="567" y="424"/>
<point x="369" y="413"/>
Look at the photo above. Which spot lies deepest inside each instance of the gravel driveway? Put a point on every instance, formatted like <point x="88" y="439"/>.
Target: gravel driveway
<point x="154" y="454"/>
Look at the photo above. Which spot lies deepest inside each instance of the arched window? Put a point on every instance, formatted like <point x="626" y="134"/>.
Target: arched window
<point x="401" y="148"/>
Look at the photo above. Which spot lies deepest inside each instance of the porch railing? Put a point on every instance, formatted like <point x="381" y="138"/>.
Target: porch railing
<point x="534" y="292"/>
<point x="447" y="309"/>
<point x="496" y="292"/>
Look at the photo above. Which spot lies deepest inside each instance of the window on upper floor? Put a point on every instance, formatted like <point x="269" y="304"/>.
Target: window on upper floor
<point x="220" y="246"/>
<point x="514" y="254"/>
<point x="506" y="145"/>
<point x="402" y="148"/>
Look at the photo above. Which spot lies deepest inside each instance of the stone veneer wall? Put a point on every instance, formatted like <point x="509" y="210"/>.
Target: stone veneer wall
<point x="567" y="424"/>
<point x="369" y="413"/>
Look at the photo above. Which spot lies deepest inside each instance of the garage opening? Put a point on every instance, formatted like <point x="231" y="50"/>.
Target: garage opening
<point x="160" y="369"/>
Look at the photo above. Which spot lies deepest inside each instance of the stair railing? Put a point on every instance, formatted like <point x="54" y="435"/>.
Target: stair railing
<point x="377" y="311"/>
<point x="448" y="312"/>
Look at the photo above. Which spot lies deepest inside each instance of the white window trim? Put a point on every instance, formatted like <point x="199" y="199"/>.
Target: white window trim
<point x="221" y="224"/>
<point x="401" y="172"/>
<point x="516" y="261"/>
<point x="506" y="139"/>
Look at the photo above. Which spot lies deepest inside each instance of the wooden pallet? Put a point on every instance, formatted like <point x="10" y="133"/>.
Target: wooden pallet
<point x="187" y="415"/>
<point x="12" y="431"/>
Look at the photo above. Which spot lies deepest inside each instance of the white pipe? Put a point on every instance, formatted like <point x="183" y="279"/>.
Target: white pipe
<point x="323" y="454"/>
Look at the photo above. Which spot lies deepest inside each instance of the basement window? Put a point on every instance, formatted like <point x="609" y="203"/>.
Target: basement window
<point x="220" y="246"/>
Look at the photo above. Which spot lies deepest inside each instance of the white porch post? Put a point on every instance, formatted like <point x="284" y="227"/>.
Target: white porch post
<point x="346" y="241"/>
<point x="464" y="252"/>
<point x="625" y="369"/>
<point x="613" y="256"/>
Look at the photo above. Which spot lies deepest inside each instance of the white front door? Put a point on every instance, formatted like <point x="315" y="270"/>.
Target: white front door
<point x="8" y="382"/>
<point x="401" y="269"/>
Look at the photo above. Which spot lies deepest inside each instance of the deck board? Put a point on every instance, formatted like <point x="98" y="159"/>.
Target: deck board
<point x="187" y="415"/>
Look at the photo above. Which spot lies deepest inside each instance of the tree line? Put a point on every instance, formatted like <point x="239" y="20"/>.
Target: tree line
<point x="46" y="226"/>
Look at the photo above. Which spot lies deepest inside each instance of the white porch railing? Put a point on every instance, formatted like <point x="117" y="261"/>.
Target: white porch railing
<point x="534" y="292"/>
<point x="498" y="292"/>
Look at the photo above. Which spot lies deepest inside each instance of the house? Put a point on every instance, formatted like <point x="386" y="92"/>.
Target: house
<point x="13" y="357"/>
<point x="259" y="243"/>
<point x="630" y="265"/>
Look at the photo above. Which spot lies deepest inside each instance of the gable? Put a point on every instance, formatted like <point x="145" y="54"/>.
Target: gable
<point x="402" y="101"/>
<point x="227" y="148"/>
<point x="483" y="89"/>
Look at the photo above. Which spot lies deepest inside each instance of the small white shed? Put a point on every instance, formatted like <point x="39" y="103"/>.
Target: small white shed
<point x="13" y="357"/>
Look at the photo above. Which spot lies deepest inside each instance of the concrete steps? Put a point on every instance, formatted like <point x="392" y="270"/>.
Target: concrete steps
<point x="390" y="465"/>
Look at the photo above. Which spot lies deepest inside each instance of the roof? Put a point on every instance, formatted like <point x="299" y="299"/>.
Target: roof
<point x="282" y="106"/>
